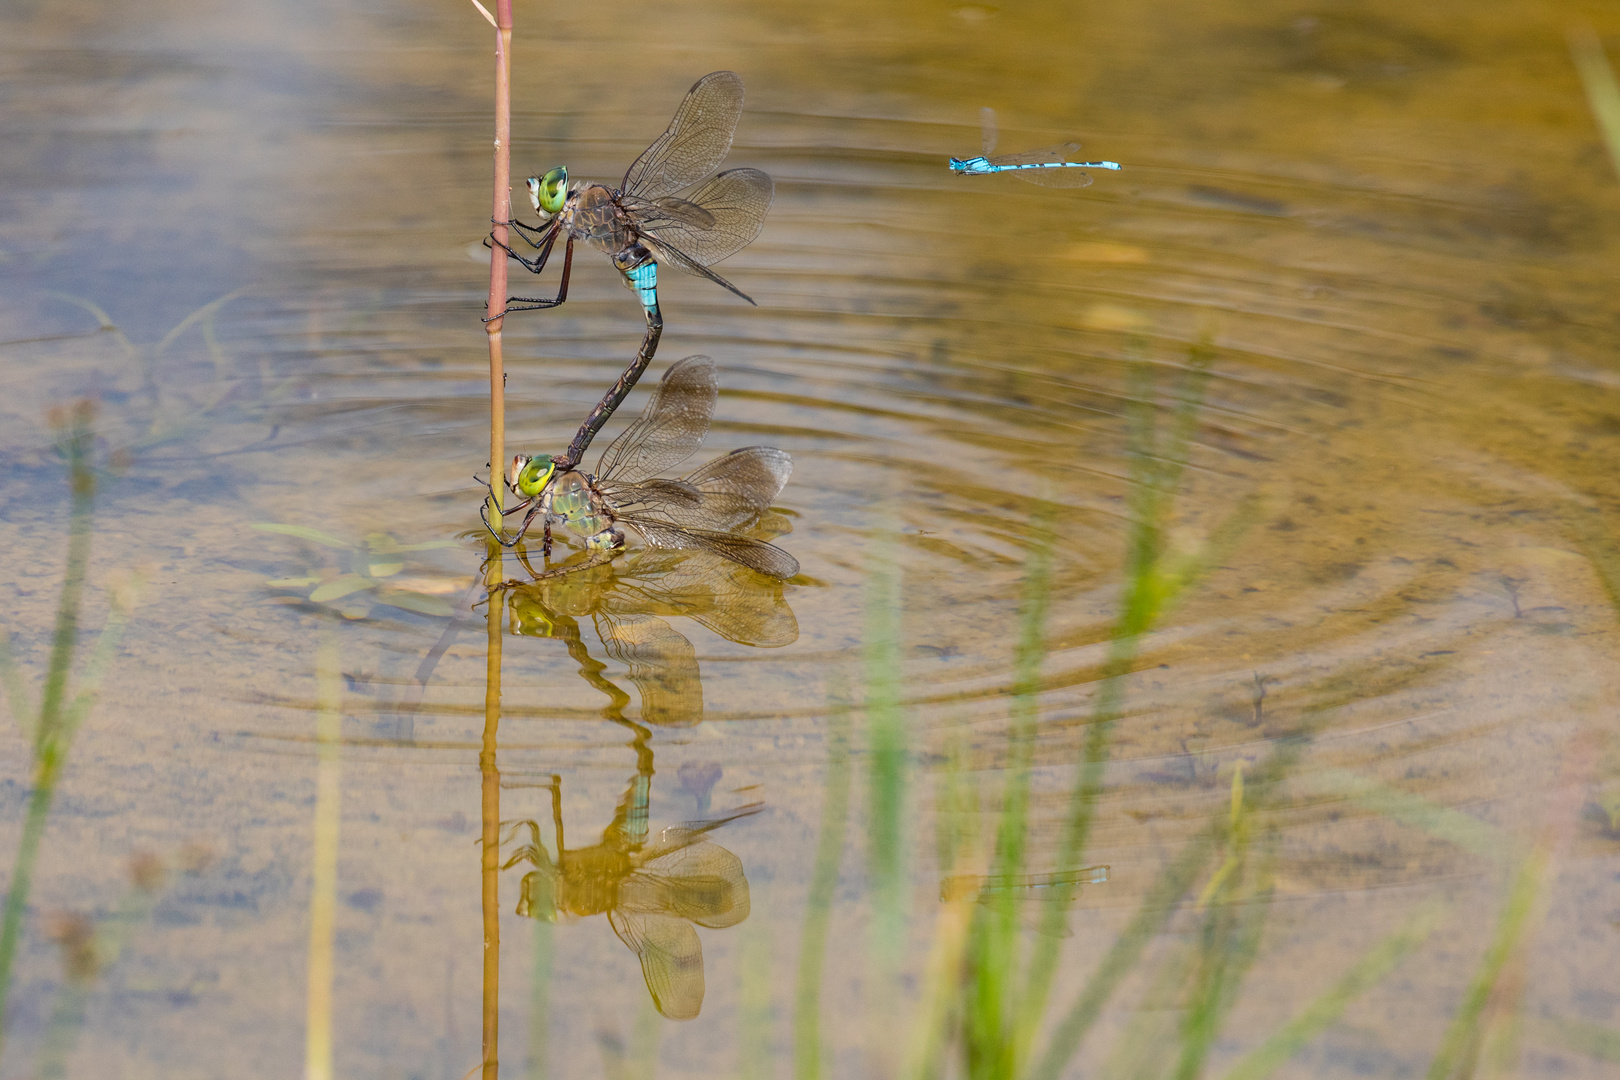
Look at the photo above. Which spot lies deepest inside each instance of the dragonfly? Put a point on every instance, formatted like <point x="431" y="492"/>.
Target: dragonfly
<point x="652" y="890"/>
<point x="702" y="510"/>
<point x="629" y="604"/>
<point x="1048" y="167"/>
<point x="643" y="222"/>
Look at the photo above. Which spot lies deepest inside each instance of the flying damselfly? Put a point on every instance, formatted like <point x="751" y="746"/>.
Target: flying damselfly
<point x="1048" y="167"/>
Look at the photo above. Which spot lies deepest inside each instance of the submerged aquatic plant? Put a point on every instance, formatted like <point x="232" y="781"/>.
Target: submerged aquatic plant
<point x="61" y="712"/>
<point x="371" y="573"/>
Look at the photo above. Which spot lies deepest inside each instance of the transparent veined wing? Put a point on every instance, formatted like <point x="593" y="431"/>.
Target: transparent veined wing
<point x="695" y="143"/>
<point x="669" y="430"/>
<point x="663" y="665"/>
<point x="721" y="496"/>
<point x="708" y="589"/>
<point x="987" y="130"/>
<point x="714" y="222"/>
<point x="754" y="554"/>
<point x="671" y="959"/>
<point x="666" y="254"/>
<point x="700" y="882"/>
<point x="743" y="482"/>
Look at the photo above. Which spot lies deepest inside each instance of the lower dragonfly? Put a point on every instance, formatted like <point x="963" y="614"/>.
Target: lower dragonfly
<point x="652" y="890"/>
<point x="703" y="510"/>
<point x="1048" y="167"/>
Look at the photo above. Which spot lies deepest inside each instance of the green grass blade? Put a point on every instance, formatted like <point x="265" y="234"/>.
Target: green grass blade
<point x="1579" y="1036"/>
<point x="540" y="1001"/>
<point x="1455" y="827"/>
<point x="51" y="738"/>
<point x="16" y="693"/>
<point x="807" y="1046"/>
<point x="1378" y="962"/>
<point x="1155" y="910"/>
<point x="1602" y="91"/>
<point x="1459" y="1048"/>
<point x="887" y="751"/>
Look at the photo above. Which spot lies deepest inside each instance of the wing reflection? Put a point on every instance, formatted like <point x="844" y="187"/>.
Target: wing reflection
<point x="628" y="602"/>
<point x="652" y="891"/>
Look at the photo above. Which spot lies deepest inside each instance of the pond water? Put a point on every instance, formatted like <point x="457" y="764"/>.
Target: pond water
<point x="1356" y="779"/>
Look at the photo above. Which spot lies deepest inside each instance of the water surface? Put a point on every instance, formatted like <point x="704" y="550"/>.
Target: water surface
<point x="1395" y="227"/>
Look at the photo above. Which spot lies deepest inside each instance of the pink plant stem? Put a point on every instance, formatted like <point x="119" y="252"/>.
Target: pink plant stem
<point x="500" y="213"/>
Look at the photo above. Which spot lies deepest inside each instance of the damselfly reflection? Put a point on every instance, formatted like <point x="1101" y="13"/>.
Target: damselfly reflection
<point x="1061" y="886"/>
<point x="628" y="603"/>
<point x="703" y="510"/>
<point x="652" y="891"/>
<point x="1048" y="166"/>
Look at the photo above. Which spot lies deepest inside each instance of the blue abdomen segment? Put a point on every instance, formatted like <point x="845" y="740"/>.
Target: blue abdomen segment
<point x="643" y="281"/>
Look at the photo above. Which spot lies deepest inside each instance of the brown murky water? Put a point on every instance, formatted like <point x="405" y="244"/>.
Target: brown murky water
<point x="1397" y="227"/>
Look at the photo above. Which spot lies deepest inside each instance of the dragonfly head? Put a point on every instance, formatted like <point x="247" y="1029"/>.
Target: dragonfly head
<point x="538" y="897"/>
<point x="530" y="475"/>
<point x="549" y="192"/>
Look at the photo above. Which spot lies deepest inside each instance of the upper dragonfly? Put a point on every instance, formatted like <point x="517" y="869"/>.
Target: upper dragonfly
<point x="642" y="222"/>
<point x="1048" y="167"/>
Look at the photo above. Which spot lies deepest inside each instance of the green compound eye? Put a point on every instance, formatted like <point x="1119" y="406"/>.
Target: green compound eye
<point x="549" y="192"/>
<point x="531" y="474"/>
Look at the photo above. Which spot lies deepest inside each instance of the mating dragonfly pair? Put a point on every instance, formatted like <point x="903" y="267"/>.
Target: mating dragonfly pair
<point x="640" y="224"/>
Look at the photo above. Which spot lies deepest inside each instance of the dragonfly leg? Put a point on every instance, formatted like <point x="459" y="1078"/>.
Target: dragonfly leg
<point x="530" y="303"/>
<point x="556" y="813"/>
<point x="524" y="230"/>
<point x="536" y="264"/>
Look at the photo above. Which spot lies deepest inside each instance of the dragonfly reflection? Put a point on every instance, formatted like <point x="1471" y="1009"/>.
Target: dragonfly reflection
<point x="642" y="222"/>
<point x="1048" y="167"/>
<point x="652" y="889"/>
<point x="628" y="604"/>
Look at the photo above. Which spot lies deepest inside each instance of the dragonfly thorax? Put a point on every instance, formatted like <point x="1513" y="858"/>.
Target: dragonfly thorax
<point x="593" y="215"/>
<point x="573" y="499"/>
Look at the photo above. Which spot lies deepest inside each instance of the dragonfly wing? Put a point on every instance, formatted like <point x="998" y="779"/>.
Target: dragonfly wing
<point x="716" y="221"/>
<point x="701" y="882"/>
<point x="754" y="554"/>
<point x="671" y="427"/>
<point x="748" y="480"/>
<point x="1071" y="177"/>
<point x="694" y="144"/>
<point x="671" y="959"/>
<point x="1045" y="156"/>
<point x="666" y="254"/>
<point x="987" y="129"/>
<point x="662" y="664"/>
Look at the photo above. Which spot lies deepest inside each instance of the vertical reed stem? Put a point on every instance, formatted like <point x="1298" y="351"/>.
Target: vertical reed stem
<point x="491" y="815"/>
<point x="324" y="859"/>
<point x="500" y="214"/>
